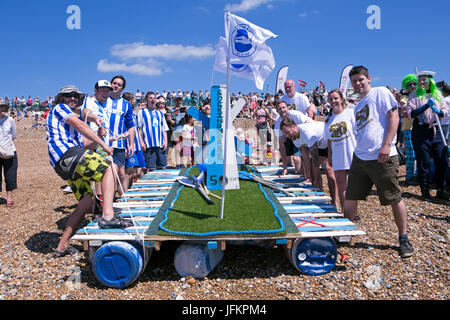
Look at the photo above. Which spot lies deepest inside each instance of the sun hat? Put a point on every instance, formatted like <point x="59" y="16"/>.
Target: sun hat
<point x="70" y="89"/>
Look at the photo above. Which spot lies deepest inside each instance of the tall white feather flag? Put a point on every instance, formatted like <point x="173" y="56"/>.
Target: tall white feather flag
<point x="249" y="56"/>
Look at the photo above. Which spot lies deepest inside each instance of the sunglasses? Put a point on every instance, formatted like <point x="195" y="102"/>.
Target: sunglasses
<point x="412" y="84"/>
<point x="71" y="95"/>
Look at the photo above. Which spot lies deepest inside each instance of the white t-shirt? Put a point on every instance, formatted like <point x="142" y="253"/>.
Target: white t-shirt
<point x="310" y="133"/>
<point x="298" y="117"/>
<point x="340" y="131"/>
<point x="372" y="123"/>
<point x="299" y="102"/>
<point x="7" y="132"/>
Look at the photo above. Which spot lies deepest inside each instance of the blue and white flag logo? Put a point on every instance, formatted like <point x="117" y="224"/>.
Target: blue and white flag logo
<point x="242" y="38"/>
<point x="250" y="57"/>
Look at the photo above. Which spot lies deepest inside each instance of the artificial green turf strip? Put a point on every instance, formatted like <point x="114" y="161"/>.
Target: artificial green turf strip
<point x="245" y="209"/>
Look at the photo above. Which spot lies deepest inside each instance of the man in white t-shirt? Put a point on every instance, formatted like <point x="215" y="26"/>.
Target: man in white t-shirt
<point x="287" y="148"/>
<point x="296" y="100"/>
<point x="375" y="159"/>
<point x="312" y="136"/>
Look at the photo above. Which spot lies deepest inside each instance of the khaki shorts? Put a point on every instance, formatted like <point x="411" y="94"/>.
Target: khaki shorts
<point x="364" y="174"/>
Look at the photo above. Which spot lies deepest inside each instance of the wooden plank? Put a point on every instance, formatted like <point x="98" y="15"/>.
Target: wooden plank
<point x="121" y="200"/>
<point x="315" y="222"/>
<point x="150" y="188"/>
<point x="108" y="237"/>
<point x="316" y="215"/>
<point x="147" y="193"/>
<point x="283" y="195"/>
<point x="299" y="200"/>
<point x="155" y="184"/>
<point x="320" y="229"/>
<point x="336" y="233"/>
<point x="138" y="204"/>
<point x="131" y="230"/>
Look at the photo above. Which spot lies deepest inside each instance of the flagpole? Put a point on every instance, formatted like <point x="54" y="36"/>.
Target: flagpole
<point x="227" y="104"/>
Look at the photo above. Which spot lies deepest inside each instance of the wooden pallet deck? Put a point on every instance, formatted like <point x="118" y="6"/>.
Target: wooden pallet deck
<point x="310" y="210"/>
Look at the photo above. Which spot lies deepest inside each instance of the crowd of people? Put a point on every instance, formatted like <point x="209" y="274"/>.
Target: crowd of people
<point x="114" y="137"/>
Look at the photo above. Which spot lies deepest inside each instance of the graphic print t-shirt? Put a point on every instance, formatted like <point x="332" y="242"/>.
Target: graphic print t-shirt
<point x="371" y="123"/>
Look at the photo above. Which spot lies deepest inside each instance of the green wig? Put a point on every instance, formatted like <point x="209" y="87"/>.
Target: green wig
<point x="434" y="91"/>
<point x="409" y="78"/>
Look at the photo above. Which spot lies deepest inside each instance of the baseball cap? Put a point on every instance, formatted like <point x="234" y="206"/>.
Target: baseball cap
<point x="103" y="83"/>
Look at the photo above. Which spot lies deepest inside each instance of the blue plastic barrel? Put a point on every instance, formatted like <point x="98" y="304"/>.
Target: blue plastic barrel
<point x="196" y="260"/>
<point x="118" y="264"/>
<point x="314" y="256"/>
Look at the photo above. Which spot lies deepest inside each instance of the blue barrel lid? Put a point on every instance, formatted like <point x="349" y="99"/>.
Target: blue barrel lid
<point x="117" y="264"/>
<point x="314" y="256"/>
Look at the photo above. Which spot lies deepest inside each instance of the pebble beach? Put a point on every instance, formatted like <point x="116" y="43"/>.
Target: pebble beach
<point x="374" y="271"/>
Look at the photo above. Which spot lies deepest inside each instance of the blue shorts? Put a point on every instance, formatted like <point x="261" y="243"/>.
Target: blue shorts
<point x="137" y="160"/>
<point x="119" y="157"/>
<point x="155" y="158"/>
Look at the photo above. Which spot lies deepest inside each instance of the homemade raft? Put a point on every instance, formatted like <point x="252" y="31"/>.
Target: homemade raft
<point x="310" y="226"/>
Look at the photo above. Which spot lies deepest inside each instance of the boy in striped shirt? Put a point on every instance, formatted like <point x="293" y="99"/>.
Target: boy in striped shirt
<point x="119" y="114"/>
<point x="153" y="129"/>
<point x="79" y="166"/>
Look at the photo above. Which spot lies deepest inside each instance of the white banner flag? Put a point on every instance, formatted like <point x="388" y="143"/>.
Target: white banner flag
<point x="345" y="80"/>
<point x="257" y="72"/>
<point x="281" y="79"/>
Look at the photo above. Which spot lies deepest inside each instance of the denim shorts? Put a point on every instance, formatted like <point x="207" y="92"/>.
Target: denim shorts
<point x="119" y="157"/>
<point x="155" y="158"/>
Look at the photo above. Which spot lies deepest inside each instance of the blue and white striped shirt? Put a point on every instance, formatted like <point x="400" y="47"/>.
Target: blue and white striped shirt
<point x="60" y="135"/>
<point x="119" y="114"/>
<point x="137" y="141"/>
<point x="97" y="109"/>
<point x="153" y="124"/>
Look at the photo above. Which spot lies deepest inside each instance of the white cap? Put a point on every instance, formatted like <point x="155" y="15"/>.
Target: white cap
<point x="103" y="83"/>
<point x="425" y="73"/>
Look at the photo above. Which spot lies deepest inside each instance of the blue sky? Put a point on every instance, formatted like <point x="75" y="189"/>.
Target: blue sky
<point x="176" y="42"/>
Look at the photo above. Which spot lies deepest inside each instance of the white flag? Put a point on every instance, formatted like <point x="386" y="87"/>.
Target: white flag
<point x="258" y="71"/>
<point x="237" y="26"/>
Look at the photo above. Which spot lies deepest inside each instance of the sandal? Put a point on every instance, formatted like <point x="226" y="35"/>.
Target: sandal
<point x="68" y="251"/>
<point x="9" y="203"/>
<point x="115" y="223"/>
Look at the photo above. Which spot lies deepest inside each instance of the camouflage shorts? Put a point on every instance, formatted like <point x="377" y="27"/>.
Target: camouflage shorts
<point x="91" y="168"/>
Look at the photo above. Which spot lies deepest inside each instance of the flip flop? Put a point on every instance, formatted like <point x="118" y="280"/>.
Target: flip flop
<point x="9" y="203"/>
